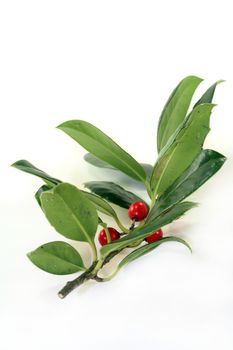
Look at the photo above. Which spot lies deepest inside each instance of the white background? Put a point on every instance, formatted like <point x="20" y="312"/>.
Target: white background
<point x="113" y="63"/>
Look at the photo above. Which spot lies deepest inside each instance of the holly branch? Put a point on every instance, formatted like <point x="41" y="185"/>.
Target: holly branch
<point x="182" y="166"/>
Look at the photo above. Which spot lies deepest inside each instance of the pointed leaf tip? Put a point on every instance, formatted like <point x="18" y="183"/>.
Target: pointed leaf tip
<point x="175" y="109"/>
<point x="182" y="148"/>
<point x="137" y="253"/>
<point x="29" y="168"/>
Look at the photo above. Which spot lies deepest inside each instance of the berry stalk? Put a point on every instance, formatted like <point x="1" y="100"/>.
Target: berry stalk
<point x="91" y="273"/>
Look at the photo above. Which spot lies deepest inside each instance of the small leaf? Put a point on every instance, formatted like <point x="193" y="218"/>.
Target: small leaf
<point x="70" y="212"/>
<point x="27" y="167"/>
<point x="58" y="258"/>
<point x="148" y="248"/>
<point x="113" y="193"/>
<point x="103" y="147"/>
<point x="207" y="97"/>
<point x="206" y="164"/>
<point x="91" y="159"/>
<point x="152" y="226"/>
<point x="176" y="109"/>
<point x="182" y="148"/>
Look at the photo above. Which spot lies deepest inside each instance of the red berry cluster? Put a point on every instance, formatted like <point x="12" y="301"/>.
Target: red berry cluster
<point x="137" y="212"/>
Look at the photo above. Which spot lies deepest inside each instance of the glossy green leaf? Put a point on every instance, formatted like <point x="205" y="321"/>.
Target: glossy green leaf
<point x="103" y="147"/>
<point x="42" y="189"/>
<point x="182" y="148"/>
<point x="152" y="226"/>
<point x="27" y="167"/>
<point x="58" y="258"/>
<point x="70" y="212"/>
<point x="100" y="204"/>
<point x="175" y="109"/>
<point x="91" y="159"/>
<point x="207" y="163"/>
<point x="113" y="193"/>
<point x="207" y="97"/>
<point x="137" y="253"/>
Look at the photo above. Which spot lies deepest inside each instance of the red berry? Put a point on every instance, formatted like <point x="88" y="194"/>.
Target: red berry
<point x="154" y="236"/>
<point x="137" y="211"/>
<point x="114" y="234"/>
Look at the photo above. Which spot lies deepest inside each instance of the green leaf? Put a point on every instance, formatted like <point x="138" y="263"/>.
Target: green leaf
<point x="152" y="226"/>
<point x="137" y="253"/>
<point x="27" y="167"/>
<point x="181" y="149"/>
<point x="207" y="97"/>
<point x="175" y="109"/>
<point x="100" y="204"/>
<point x="91" y="159"/>
<point x="207" y="163"/>
<point x="42" y="189"/>
<point x="70" y="212"/>
<point x="113" y="193"/>
<point x="104" y="207"/>
<point x="103" y="147"/>
<point x="58" y="258"/>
